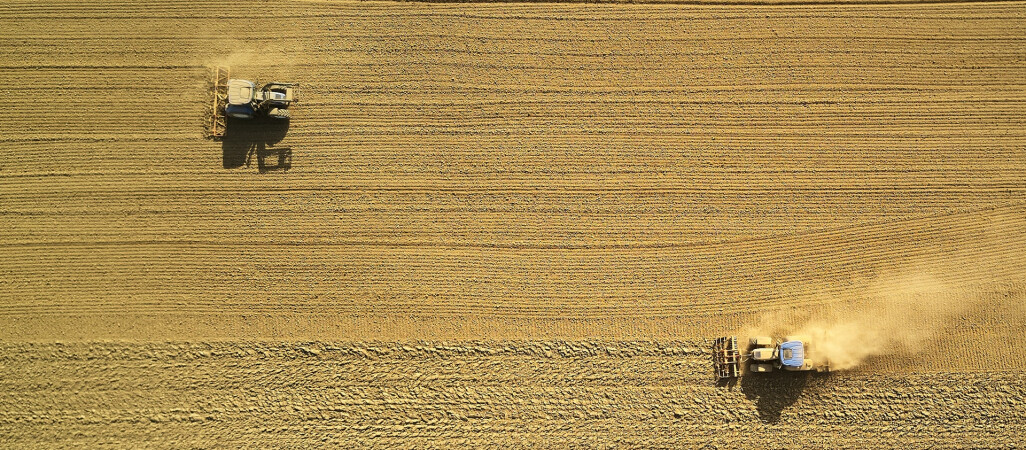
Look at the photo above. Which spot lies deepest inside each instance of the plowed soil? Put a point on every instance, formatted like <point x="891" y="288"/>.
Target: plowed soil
<point x="511" y="223"/>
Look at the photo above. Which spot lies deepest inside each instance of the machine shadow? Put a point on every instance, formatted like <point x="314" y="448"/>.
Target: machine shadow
<point x="774" y="392"/>
<point x="245" y="139"/>
<point x="727" y="383"/>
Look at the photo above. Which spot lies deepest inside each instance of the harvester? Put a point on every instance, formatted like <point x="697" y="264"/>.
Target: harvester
<point x="764" y="354"/>
<point x="240" y="99"/>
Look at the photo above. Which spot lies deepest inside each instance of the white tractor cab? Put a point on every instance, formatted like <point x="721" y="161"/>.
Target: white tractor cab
<point x="245" y="101"/>
<point x="767" y="355"/>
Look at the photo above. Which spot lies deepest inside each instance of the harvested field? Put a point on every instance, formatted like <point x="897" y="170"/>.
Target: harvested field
<point x="512" y="393"/>
<point x="514" y="223"/>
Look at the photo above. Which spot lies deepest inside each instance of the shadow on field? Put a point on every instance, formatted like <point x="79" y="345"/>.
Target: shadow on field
<point x="773" y="392"/>
<point x="728" y="383"/>
<point x="245" y="139"/>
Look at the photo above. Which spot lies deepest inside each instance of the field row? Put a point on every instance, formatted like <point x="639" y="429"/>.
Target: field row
<point x="402" y="290"/>
<point x="440" y="394"/>
<point x="310" y="9"/>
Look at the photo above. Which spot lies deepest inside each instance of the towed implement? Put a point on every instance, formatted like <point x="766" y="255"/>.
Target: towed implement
<point x="763" y="354"/>
<point x="218" y="123"/>
<point x="726" y="358"/>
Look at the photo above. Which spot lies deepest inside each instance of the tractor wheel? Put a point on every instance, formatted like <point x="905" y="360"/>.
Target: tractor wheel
<point x="760" y="368"/>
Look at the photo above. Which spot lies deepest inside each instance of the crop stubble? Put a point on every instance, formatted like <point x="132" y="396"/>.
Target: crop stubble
<point x="512" y="173"/>
<point x="443" y="394"/>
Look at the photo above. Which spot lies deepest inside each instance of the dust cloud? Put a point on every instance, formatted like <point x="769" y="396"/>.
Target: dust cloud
<point x="899" y="315"/>
<point x="235" y="58"/>
<point x="231" y="52"/>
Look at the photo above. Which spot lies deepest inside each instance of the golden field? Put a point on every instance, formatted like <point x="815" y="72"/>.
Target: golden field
<point x="512" y="224"/>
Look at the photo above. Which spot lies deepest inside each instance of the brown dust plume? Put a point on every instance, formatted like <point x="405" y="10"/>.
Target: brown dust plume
<point x="901" y="315"/>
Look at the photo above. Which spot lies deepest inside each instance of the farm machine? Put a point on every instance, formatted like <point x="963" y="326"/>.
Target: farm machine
<point x="763" y="354"/>
<point x="241" y="99"/>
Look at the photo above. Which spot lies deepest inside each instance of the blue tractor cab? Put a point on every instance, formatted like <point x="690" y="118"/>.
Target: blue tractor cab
<point x="792" y="354"/>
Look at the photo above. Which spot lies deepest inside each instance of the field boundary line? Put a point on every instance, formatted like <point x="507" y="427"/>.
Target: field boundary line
<point x="768" y="3"/>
